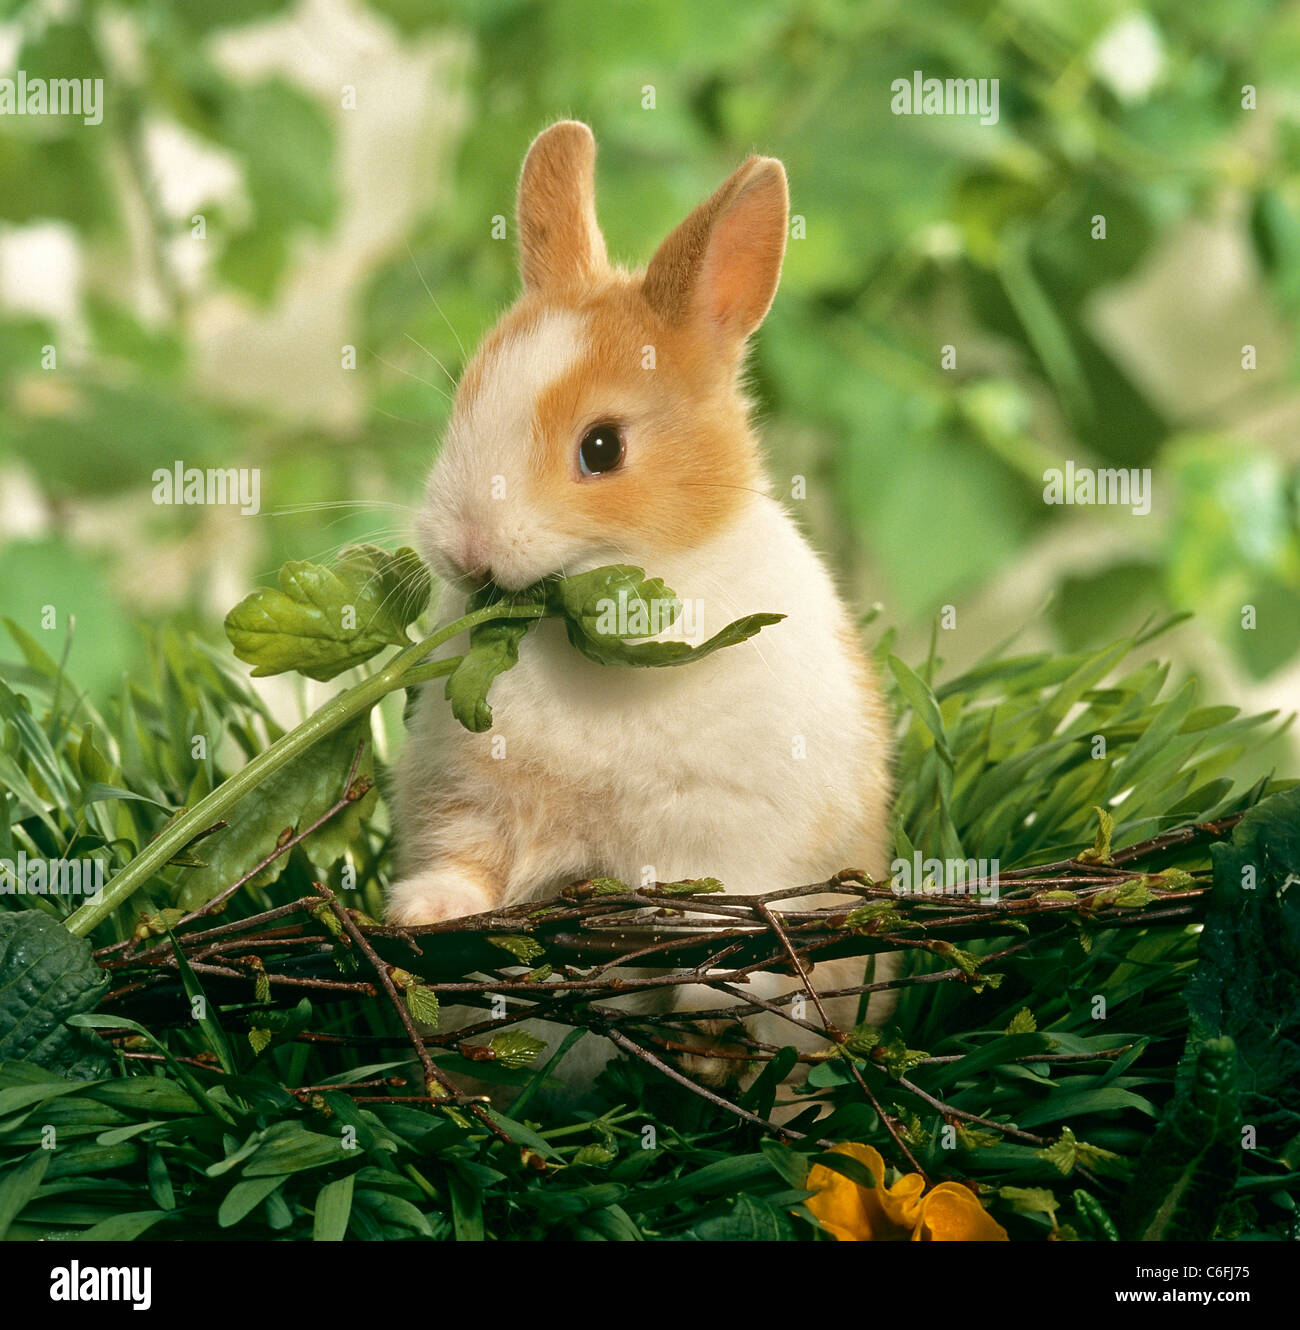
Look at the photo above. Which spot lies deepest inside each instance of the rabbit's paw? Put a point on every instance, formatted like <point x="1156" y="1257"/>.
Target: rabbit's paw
<point x="431" y="897"/>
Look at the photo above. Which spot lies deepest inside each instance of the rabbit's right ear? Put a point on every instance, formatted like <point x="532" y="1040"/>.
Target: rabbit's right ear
<point x="560" y="244"/>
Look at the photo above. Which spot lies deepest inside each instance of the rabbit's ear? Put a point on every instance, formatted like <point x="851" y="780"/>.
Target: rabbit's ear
<point x="560" y="244"/>
<point x="721" y="266"/>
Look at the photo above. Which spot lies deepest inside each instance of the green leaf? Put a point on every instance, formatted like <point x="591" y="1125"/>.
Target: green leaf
<point x="46" y="976"/>
<point x="466" y="1208"/>
<point x="1067" y="1152"/>
<point x="244" y="1197"/>
<point x="1090" y="1210"/>
<point x="594" y="605"/>
<point x="748" y="1220"/>
<point x="876" y="917"/>
<point x="516" y="1048"/>
<point x="208" y="1022"/>
<point x="422" y="1003"/>
<point x="394" y="1210"/>
<point x="160" y="1183"/>
<point x="1031" y="1200"/>
<point x="700" y="886"/>
<point x="1128" y="896"/>
<point x="1100" y="852"/>
<point x="1247" y="982"/>
<point x="493" y="649"/>
<point x="863" y="1039"/>
<point x="19" y="1184"/>
<point x="1187" y="1171"/>
<point x="922" y="701"/>
<point x="333" y="1207"/>
<point x="524" y="949"/>
<point x="294" y="797"/>
<point x="123" y="1227"/>
<point x="322" y="621"/>
<point x="595" y="1154"/>
<point x="900" y="1059"/>
<point x="1022" y="1022"/>
<point x="294" y="1152"/>
<point x="284" y="141"/>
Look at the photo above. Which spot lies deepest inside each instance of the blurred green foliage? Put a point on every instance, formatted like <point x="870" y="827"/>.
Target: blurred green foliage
<point x="925" y="484"/>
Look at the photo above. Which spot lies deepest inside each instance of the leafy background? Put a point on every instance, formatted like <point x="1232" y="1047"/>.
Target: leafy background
<point x="326" y="226"/>
<point x="200" y="261"/>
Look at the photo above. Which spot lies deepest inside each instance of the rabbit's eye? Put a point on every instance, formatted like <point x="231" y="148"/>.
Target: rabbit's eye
<point x="601" y="450"/>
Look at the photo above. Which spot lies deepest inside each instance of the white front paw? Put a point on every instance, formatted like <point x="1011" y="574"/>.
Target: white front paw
<point x="429" y="898"/>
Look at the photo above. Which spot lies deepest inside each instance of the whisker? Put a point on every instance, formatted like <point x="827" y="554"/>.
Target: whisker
<point x="289" y="510"/>
<point x="410" y="375"/>
<point x="438" y="307"/>
<point x="450" y="376"/>
<point x="402" y="420"/>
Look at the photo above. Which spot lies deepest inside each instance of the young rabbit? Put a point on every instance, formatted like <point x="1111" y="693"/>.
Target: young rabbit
<point x="603" y="421"/>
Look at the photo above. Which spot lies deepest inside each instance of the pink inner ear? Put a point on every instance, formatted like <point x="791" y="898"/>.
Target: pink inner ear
<point x="740" y="271"/>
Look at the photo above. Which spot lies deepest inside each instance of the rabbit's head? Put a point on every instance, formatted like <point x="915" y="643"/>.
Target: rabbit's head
<point x="602" y="419"/>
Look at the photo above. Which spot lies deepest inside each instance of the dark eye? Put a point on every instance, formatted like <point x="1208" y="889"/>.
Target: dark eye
<point x="601" y="450"/>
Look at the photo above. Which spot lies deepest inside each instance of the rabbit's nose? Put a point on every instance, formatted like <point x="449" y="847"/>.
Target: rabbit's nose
<point x="472" y="553"/>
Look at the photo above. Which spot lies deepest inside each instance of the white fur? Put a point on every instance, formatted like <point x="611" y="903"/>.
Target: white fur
<point x="663" y="774"/>
<point x="688" y="771"/>
<point x="478" y="492"/>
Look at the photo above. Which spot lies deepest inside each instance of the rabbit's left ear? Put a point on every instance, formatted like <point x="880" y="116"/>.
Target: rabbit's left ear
<point x="720" y="268"/>
<point x="560" y="244"/>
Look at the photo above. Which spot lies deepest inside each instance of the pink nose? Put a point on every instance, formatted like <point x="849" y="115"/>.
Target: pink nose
<point x="471" y="553"/>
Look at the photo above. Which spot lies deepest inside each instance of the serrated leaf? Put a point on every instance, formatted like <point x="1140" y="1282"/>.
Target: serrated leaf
<point x="422" y="1003"/>
<point x="1128" y="896"/>
<point x="874" y="917"/>
<point x="524" y="949"/>
<point x="516" y="1048"/>
<point x="1022" y="1022"/>
<point x="700" y="886"/>
<point x="1100" y="852"/>
<point x="598" y="1155"/>
<point x="259" y="1039"/>
<point x="1172" y="879"/>
<point x="1030" y="1200"/>
<point x="321" y="621"/>
<point x="608" y="886"/>
<point x="606" y="598"/>
<point x="900" y="1059"/>
<point x="863" y="1039"/>
<point x="1190" y="1164"/>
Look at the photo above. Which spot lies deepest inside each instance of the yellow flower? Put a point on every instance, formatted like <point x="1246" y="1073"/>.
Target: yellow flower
<point x="853" y="1213"/>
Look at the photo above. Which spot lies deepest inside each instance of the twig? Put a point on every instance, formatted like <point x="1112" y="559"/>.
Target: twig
<point x="383" y="971"/>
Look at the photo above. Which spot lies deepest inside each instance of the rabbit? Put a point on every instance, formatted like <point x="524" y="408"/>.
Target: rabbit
<point x="603" y="420"/>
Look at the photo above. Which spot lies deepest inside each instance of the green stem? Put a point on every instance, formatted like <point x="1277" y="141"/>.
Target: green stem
<point x="401" y="671"/>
